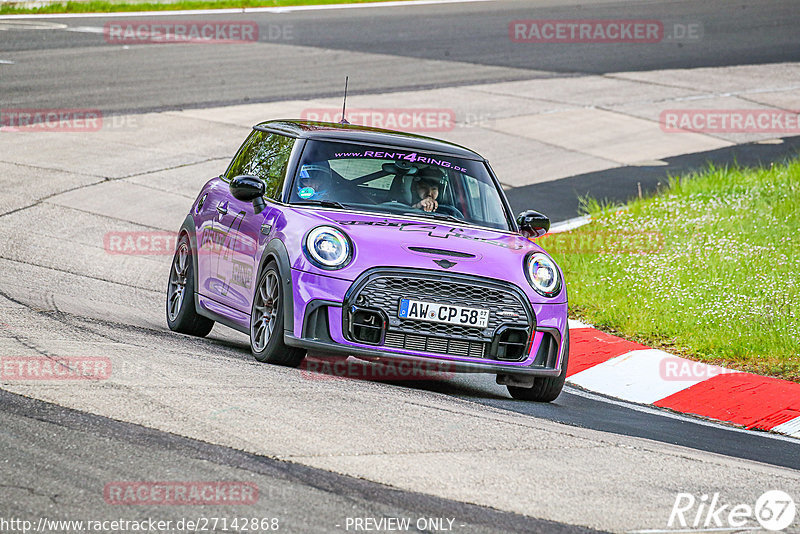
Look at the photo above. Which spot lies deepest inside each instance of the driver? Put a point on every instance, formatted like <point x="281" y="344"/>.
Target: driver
<point x="314" y="181"/>
<point x="427" y="191"/>
<point x="426" y="187"/>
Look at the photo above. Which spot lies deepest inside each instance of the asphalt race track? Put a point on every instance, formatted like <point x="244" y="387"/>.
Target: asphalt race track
<point x="307" y="54"/>
<point x="88" y="451"/>
<point x="321" y="451"/>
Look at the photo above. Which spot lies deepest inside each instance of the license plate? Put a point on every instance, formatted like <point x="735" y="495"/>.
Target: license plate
<point x="443" y="313"/>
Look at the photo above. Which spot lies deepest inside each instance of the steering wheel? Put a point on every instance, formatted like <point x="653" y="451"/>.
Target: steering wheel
<point x="447" y="209"/>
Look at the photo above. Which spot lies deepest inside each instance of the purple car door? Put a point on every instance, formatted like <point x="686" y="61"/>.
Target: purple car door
<point x="235" y="263"/>
<point x="228" y="272"/>
<point x="209" y="240"/>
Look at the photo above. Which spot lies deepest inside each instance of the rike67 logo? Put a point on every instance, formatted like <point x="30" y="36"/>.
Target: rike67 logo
<point x="775" y="510"/>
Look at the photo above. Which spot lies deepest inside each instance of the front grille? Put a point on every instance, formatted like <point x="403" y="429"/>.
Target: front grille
<point x="383" y="291"/>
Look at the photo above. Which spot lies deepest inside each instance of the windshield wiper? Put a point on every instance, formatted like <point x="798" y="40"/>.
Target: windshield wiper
<point x="432" y="215"/>
<point x="324" y="203"/>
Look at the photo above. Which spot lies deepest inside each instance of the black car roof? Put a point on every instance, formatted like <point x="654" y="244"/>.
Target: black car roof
<point x="364" y="134"/>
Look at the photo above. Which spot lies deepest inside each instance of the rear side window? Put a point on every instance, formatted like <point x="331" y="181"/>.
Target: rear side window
<point x="263" y="155"/>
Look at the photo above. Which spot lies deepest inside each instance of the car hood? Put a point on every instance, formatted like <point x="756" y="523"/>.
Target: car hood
<point x="381" y="241"/>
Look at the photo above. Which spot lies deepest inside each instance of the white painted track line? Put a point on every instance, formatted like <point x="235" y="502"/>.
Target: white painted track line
<point x="632" y="377"/>
<point x="791" y="428"/>
<point x="285" y="9"/>
<point x="570" y="224"/>
<point x="575" y="324"/>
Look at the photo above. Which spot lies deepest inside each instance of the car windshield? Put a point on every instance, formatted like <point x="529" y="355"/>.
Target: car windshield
<point x="398" y="181"/>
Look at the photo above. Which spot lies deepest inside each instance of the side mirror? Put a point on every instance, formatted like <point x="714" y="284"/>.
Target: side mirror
<point x="249" y="188"/>
<point x="532" y="224"/>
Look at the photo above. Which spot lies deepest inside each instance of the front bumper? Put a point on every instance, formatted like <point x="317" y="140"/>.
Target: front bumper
<point x="322" y="304"/>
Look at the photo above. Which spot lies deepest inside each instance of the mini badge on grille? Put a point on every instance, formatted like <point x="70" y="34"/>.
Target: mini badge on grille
<point x="506" y="314"/>
<point x="444" y="264"/>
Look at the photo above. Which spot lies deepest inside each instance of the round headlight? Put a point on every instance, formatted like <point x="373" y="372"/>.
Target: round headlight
<point x="327" y="247"/>
<point x="543" y="274"/>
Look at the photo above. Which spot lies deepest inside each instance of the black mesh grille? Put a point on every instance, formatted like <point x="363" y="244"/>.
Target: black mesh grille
<point x="385" y="293"/>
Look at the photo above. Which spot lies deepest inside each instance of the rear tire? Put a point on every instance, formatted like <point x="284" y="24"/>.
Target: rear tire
<point x="545" y="388"/>
<point x="266" y="322"/>
<point x="181" y="314"/>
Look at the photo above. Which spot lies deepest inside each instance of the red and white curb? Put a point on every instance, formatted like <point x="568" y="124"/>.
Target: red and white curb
<point x="626" y="370"/>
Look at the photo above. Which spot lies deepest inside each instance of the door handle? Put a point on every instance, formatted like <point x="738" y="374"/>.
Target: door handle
<point x="222" y="210"/>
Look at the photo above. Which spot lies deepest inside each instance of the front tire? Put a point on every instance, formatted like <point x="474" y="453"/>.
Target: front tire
<point x="181" y="314"/>
<point x="545" y="388"/>
<point x="266" y="322"/>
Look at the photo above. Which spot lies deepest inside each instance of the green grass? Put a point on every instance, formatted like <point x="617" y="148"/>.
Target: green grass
<point x="709" y="268"/>
<point x="104" y="6"/>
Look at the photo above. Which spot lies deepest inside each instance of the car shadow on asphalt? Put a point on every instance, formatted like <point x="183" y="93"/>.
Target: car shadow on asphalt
<point x="407" y="376"/>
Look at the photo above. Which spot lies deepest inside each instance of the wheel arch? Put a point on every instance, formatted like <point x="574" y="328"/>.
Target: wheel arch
<point x="276" y="251"/>
<point x="188" y="229"/>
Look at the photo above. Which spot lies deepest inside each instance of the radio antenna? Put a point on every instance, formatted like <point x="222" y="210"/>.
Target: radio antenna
<point x="344" y="104"/>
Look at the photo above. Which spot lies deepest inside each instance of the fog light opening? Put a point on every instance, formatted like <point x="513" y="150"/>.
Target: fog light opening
<point x="510" y="343"/>
<point x="367" y="326"/>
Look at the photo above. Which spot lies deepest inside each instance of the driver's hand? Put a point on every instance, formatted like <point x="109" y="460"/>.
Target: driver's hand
<point x="428" y="204"/>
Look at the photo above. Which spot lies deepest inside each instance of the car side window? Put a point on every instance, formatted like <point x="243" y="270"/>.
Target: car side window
<point x="263" y="155"/>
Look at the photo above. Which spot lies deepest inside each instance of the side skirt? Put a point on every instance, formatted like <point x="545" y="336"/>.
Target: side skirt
<point x="222" y="314"/>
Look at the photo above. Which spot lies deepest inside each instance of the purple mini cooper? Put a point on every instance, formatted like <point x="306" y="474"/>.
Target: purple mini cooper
<point x="385" y="246"/>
